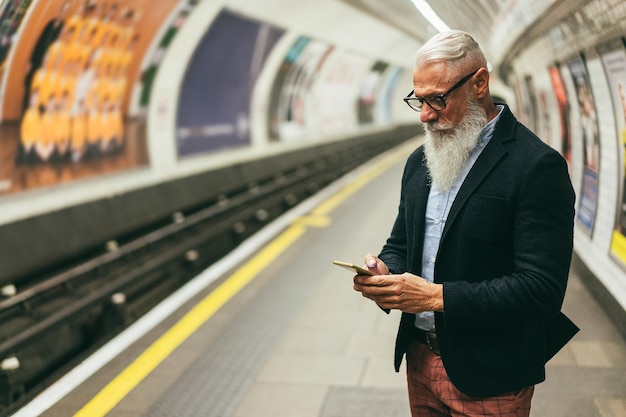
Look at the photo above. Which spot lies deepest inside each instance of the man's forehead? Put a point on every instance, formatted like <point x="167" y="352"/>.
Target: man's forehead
<point x="432" y="79"/>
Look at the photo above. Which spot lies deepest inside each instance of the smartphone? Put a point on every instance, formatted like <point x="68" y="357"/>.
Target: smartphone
<point x="354" y="268"/>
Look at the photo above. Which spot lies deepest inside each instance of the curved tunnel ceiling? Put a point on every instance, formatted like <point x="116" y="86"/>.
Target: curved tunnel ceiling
<point x="398" y="13"/>
<point x="496" y="24"/>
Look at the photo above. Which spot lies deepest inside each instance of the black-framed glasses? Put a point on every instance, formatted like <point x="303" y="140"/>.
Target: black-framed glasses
<point x="437" y="102"/>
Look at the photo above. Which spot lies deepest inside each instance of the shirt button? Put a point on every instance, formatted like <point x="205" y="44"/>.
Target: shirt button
<point x="432" y="260"/>
<point x="437" y="221"/>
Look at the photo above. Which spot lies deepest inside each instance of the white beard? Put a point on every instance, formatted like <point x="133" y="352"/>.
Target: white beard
<point x="447" y="147"/>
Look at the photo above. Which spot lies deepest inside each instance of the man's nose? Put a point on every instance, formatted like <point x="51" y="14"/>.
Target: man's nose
<point x="428" y="114"/>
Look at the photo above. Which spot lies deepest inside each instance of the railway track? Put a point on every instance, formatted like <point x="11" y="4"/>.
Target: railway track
<point x="51" y="323"/>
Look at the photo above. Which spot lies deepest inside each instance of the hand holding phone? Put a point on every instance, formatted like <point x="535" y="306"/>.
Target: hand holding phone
<point x="354" y="268"/>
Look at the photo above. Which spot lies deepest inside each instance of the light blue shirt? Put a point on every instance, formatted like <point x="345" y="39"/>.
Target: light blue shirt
<point x="437" y="209"/>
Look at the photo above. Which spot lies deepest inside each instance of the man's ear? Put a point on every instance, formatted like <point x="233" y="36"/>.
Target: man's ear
<point x="481" y="83"/>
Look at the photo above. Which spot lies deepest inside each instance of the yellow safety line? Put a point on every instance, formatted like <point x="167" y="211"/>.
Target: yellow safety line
<point x="117" y="389"/>
<point x="126" y="381"/>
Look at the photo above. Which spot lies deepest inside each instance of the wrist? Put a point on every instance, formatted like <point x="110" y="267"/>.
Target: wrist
<point x="437" y="297"/>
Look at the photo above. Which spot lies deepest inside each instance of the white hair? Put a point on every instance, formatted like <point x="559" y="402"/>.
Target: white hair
<point x="454" y="47"/>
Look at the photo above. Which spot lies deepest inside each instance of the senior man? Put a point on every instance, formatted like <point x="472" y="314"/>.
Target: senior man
<point x="479" y="254"/>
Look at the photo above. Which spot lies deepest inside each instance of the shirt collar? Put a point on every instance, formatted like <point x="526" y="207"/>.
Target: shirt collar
<point x="487" y="132"/>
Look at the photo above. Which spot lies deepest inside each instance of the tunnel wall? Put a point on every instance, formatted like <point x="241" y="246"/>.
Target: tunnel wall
<point x="567" y="82"/>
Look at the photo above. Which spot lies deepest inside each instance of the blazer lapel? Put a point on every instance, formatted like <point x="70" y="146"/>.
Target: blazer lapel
<point x="493" y="152"/>
<point x="421" y="191"/>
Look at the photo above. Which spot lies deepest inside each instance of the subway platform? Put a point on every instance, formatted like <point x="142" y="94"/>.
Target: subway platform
<point x="276" y="330"/>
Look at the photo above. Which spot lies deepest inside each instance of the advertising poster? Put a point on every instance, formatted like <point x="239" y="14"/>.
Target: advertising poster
<point x="11" y="17"/>
<point x="543" y="129"/>
<point x="564" y="119"/>
<point x="214" y="102"/>
<point x="523" y="106"/>
<point x="383" y="106"/>
<point x="291" y="97"/>
<point x="66" y="85"/>
<point x="588" y="195"/>
<point x="338" y="92"/>
<point x="532" y="111"/>
<point x="526" y="101"/>
<point x="149" y="73"/>
<point x="614" y="61"/>
<point x="370" y="91"/>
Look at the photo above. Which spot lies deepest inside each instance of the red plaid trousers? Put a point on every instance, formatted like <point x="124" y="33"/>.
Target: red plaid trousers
<point x="431" y="394"/>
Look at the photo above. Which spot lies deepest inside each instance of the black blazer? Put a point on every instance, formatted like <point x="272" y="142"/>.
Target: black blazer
<point x="503" y="260"/>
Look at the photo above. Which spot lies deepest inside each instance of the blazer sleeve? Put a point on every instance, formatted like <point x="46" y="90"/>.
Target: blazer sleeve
<point x="394" y="252"/>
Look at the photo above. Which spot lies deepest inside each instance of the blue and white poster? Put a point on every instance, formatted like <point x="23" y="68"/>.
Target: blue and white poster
<point x="588" y="201"/>
<point x="214" y="103"/>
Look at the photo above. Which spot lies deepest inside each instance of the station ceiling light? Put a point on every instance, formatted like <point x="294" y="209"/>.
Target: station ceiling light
<point x="433" y="18"/>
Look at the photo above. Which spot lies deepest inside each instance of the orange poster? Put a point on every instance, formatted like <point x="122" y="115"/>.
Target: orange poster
<point x="67" y="79"/>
